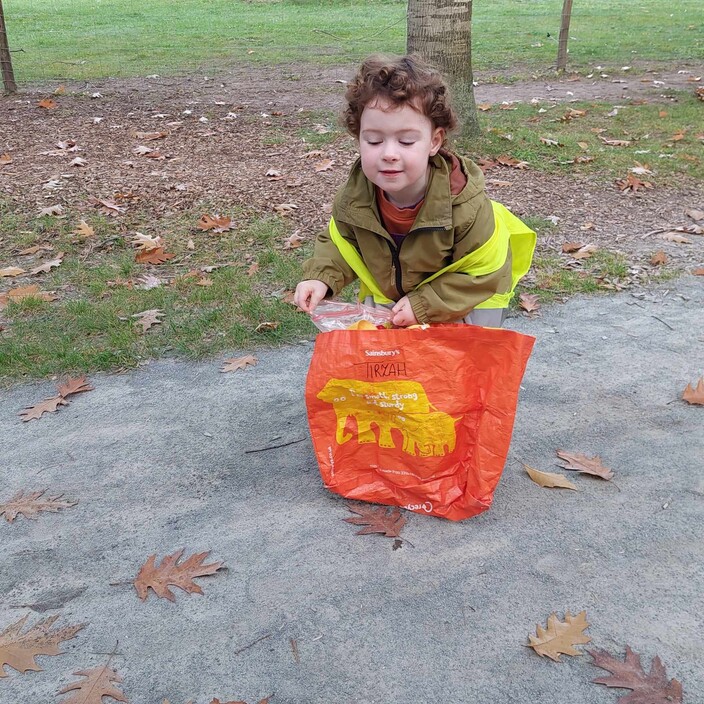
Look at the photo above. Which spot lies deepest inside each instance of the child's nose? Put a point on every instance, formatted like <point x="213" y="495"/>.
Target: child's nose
<point x="390" y="152"/>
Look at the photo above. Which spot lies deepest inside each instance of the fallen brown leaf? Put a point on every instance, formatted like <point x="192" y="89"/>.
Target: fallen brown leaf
<point x="675" y="237"/>
<point x="78" y="162"/>
<point x="530" y="302"/>
<point x="549" y="480"/>
<point x="632" y="183"/>
<point x="694" y="394"/>
<point x="51" y="210"/>
<point x="550" y="142"/>
<point x="658" y="258"/>
<point x="274" y="175"/>
<point x="585" y="251"/>
<point x="150" y="136"/>
<point x="84" y="230"/>
<point x="377" y="519"/>
<point x="653" y="688"/>
<point x="47" y="104"/>
<point x="48" y="405"/>
<point x="510" y="161"/>
<point x="11" y="271"/>
<point x="172" y="573"/>
<point x="294" y="241"/>
<point x="29" y="505"/>
<point x="37" y="248"/>
<point x="99" y="683"/>
<point x="19" y="650"/>
<point x="484" y="107"/>
<point x="324" y="165"/>
<point x="569" y="247"/>
<point x="585" y="465"/>
<point x="48" y="266"/>
<point x="153" y="256"/>
<point x="265" y="327"/>
<point x="107" y="207"/>
<point x="559" y="638"/>
<point x="215" y="223"/>
<point x="147" y="318"/>
<point x="5" y="159"/>
<point x="253" y="269"/>
<point x="146" y="243"/>
<point x="699" y="272"/>
<point x="72" y="386"/>
<point x="18" y="294"/>
<point x="285" y="208"/>
<point x="695" y="214"/>
<point x="615" y="142"/>
<point x="235" y="363"/>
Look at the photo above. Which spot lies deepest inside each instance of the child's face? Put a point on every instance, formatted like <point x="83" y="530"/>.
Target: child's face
<point x="395" y="144"/>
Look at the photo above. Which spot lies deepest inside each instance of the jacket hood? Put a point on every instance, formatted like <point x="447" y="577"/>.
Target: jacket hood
<point x="356" y="202"/>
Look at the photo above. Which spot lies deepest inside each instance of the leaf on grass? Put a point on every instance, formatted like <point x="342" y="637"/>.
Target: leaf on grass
<point x="147" y="318"/>
<point x="675" y="237"/>
<point x="216" y="223"/>
<point x="48" y="405"/>
<point x="559" y="638"/>
<point x="585" y="465"/>
<point x="172" y="573"/>
<point x="146" y="243"/>
<point x="99" y="683"/>
<point x="48" y="266"/>
<point x="632" y="183"/>
<point x="377" y="519"/>
<point x="204" y="281"/>
<point x="694" y="394"/>
<point x="52" y="210"/>
<point x="235" y="363"/>
<point x="551" y="142"/>
<point x="84" y="230"/>
<point x="253" y="269"/>
<point x="18" y="294"/>
<point x="585" y="251"/>
<point x="31" y="504"/>
<point x="629" y="674"/>
<point x="153" y="256"/>
<point x="148" y="282"/>
<point x="529" y="302"/>
<point x="11" y="271"/>
<point x="285" y="208"/>
<point x="18" y="649"/>
<point x="510" y="161"/>
<point x="658" y="258"/>
<point x="582" y="159"/>
<point x="47" y="104"/>
<point x="107" y="207"/>
<point x="264" y="327"/>
<point x="72" y="386"/>
<point x="294" y="241"/>
<point x="549" y="480"/>
<point x="616" y="142"/>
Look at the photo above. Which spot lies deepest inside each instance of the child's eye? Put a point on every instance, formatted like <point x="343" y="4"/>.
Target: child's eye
<point x="369" y="141"/>
<point x="407" y="144"/>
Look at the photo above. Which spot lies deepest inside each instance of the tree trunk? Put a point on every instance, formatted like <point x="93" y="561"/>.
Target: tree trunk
<point x="8" y="77"/>
<point x="564" y="35"/>
<point x="441" y="32"/>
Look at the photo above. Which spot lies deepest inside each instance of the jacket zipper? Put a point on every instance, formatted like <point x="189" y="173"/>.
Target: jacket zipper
<point x="396" y="266"/>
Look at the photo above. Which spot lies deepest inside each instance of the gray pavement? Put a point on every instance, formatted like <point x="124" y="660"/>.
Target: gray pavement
<point x="158" y="460"/>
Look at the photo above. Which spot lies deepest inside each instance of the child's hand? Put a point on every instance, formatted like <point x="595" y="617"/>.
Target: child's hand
<point x="309" y="293"/>
<point x="403" y="314"/>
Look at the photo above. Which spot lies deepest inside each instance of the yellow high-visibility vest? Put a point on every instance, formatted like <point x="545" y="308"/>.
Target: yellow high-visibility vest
<point x="509" y="231"/>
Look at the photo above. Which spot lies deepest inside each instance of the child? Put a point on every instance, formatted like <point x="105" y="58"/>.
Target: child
<point x="413" y="221"/>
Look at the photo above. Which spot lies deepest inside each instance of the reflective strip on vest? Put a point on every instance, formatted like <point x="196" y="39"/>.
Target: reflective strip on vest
<point x="490" y="257"/>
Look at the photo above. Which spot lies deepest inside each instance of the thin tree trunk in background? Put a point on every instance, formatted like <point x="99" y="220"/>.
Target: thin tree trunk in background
<point x="8" y="77"/>
<point x="564" y="35"/>
<point x="441" y="32"/>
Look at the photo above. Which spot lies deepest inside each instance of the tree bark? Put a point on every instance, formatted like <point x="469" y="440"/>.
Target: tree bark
<point x="441" y="32"/>
<point x="564" y="35"/>
<point x="8" y="77"/>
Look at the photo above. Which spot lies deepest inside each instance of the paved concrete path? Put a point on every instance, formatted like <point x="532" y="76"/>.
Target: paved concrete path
<point x="159" y="459"/>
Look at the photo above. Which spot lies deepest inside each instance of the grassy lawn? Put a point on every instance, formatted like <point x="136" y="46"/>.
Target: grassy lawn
<point x="84" y="39"/>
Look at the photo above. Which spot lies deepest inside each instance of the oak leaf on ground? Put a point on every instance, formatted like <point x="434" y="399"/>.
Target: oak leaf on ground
<point x="632" y="183"/>
<point x="236" y="363"/>
<point x="585" y="465"/>
<point x="48" y="266"/>
<point x="324" y="165"/>
<point x="18" y="649"/>
<point x="676" y="237"/>
<point x="530" y="302"/>
<point x="31" y="504"/>
<point x="694" y="394"/>
<point x="107" y="207"/>
<point x="585" y="251"/>
<point x="48" y="405"/>
<point x="146" y="243"/>
<point x="5" y="159"/>
<point x="377" y="519"/>
<point x="294" y="241"/>
<point x="153" y="256"/>
<point x="569" y="247"/>
<point x="51" y="210"/>
<point x="84" y="230"/>
<point x="285" y="208"/>
<point x="658" y="258"/>
<point x="215" y="223"/>
<point x="47" y="104"/>
<point x="172" y="573"/>
<point x="506" y="160"/>
<point x="653" y="688"/>
<point x="37" y="248"/>
<point x="615" y="142"/>
<point x="18" y="294"/>
<point x="266" y="326"/>
<point x="99" y="683"/>
<point x="694" y="213"/>
<point x="76" y="385"/>
<point x="11" y="271"/>
<point x="549" y="480"/>
<point x="560" y="637"/>
<point x="147" y="318"/>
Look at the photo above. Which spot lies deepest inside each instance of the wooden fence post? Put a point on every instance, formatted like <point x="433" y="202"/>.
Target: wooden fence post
<point x="564" y="35"/>
<point x="8" y="77"/>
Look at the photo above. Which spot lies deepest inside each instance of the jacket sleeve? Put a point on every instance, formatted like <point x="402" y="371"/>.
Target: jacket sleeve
<point x="451" y="296"/>
<point x="327" y="264"/>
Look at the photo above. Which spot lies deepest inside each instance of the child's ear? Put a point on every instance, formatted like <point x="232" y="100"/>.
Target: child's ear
<point x="437" y="140"/>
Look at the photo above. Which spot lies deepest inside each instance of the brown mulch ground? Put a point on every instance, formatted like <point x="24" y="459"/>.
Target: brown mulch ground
<point x="225" y="133"/>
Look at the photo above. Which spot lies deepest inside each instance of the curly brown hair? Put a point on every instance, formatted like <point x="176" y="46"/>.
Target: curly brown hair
<point x="401" y="80"/>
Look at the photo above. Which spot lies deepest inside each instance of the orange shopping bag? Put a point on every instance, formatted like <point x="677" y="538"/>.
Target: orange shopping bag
<point x="418" y="418"/>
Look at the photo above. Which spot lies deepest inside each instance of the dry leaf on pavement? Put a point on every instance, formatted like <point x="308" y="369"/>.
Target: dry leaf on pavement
<point x="48" y="405"/>
<point x="76" y="385"/>
<point x="549" y="480"/>
<point x="559" y="638"/>
<point x="31" y="504"/>
<point x="676" y="237"/>
<point x="658" y="258"/>
<point x="235" y="363"/>
<point x="694" y="394"/>
<point x="99" y="683"/>
<point x="377" y="519"/>
<point x="172" y="573"/>
<point x="147" y="318"/>
<point x="18" y="649"/>
<point x="653" y="688"/>
<point x="584" y="464"/>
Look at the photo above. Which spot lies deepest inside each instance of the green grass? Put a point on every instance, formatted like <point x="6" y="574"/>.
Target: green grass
<point x="518" y="133"/>
<point x="87" y="39"/>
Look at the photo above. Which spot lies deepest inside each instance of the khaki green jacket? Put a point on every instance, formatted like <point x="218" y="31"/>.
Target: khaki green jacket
<point x="446" y="229"/>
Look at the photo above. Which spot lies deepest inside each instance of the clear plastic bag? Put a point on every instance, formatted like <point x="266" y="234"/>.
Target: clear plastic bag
<point x="338" y="315"/>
